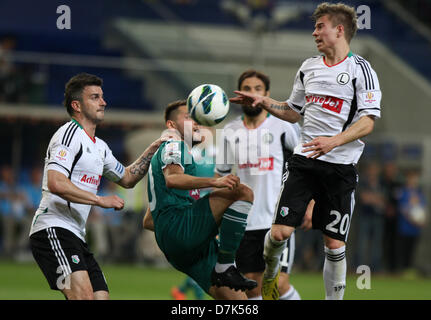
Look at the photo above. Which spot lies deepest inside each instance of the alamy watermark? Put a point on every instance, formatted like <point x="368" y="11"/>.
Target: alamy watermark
<point x="64" y="21"/>
<point x="364" y="280"/>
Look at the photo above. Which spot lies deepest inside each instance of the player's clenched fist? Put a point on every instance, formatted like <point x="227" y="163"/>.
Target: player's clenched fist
<point x="230" y="181"/>
<point x="111" y="202"/>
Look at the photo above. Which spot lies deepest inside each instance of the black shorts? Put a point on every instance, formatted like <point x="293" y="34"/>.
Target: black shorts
<point x="59" y="252"/>
<point x="249" y="257"/>
<point x="332" y="186"/>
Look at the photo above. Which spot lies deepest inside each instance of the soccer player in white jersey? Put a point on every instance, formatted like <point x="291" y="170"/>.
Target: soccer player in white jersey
<point x="339" y="96"/>
<point x="259" y="144"/>
<point x="75" y="162"/>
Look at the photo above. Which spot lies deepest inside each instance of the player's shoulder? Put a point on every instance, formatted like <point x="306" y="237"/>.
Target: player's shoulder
<point x="172" y="145"/>
<point x="312" y="61"/>
<point x="66" y="134"/>
<point x="358" y="61"/>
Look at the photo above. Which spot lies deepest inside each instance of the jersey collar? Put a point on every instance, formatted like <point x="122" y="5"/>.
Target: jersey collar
<point x="350" y="54"/>
<point x="76" y="122"/>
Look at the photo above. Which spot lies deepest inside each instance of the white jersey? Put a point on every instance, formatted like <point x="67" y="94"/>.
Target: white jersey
<point x="260" y="155"/>
<point x="84" y="161"/>
<point x="331" y="99"/>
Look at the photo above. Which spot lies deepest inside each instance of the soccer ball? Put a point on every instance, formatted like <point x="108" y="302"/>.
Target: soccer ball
<point x="208" y="104"/>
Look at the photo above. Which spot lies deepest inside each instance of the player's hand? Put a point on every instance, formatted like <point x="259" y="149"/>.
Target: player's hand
<point x="113" y="201"/>
<point x="230" y="181"/>
<point x="307" y="223"/>
<point x="248" y="99"/>
<point x="319" y="146"/>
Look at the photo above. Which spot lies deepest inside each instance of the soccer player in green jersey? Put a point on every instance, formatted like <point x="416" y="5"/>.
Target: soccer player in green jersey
<point x="186" y="228"/>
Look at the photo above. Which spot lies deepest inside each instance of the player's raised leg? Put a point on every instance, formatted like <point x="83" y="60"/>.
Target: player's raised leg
<point x="275" y="243"/>
<point x="230" y="209"/>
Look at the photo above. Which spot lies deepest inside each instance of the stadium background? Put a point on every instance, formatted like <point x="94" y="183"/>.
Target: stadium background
<point x="151" y="52"/>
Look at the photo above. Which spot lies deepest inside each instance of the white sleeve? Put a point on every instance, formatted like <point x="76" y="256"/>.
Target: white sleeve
<point x="368" y="94"/>
<point x="112" y="168"/>
<point x="223" y="166"/>
<point x="171" y="154"/>
<point x="296" y="100"/>
<point x="62" y="153"/>
<point x="291" y="137"/>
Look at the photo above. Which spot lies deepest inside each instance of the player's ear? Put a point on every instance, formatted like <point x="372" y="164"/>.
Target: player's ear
<point x="76" y="105"/>
<point x="171" y="124"/>
<point x="267" y="93"/>
<point x="340" y="31"/>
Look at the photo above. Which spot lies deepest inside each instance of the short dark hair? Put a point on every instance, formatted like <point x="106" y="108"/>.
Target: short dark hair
<point x="254" y="73"/>
<point x="75" y="86"/>
<point x="172" y="107"/>
<point x="339" y="13"/>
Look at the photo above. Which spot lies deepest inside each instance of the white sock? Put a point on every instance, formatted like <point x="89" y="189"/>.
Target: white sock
<point x="291" y="294"/>
<point x="272" y="251"/>
<point x="222" y="267"/>
<point x="334" y="273"/>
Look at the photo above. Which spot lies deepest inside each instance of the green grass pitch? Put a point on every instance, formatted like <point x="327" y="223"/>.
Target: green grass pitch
<point x="25" y="281"/>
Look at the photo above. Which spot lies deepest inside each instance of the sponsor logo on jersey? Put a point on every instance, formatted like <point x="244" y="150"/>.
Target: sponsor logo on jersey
<point x="61" y="155"/>
<point x="94" y="180"/>
<point x="195" y="194"/>
<point x="264" y="164"/>
<point x="327" y="102"/>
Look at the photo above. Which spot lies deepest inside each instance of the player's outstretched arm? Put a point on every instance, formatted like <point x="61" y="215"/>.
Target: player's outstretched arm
<point x="322" y="145"/>
<point x="61" y="186"/>
<point x="177" y="179"/>
<point x="276" y="108"/>
<point x="138" y="169"/>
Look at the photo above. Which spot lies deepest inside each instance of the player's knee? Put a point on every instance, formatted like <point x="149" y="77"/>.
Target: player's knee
<point x="333" y="243"/>
<point x="245" y="193"/>
<point x="281" y="232"/>
<point x="79" y="295"/>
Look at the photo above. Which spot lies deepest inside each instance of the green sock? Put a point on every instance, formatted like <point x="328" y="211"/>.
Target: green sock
<point x="232" y="230"/>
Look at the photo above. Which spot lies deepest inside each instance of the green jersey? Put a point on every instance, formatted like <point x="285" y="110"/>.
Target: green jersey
<point x="162" y="198"/>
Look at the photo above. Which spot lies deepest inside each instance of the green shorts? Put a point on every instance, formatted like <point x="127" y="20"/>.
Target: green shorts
<point x="187" y="238"/>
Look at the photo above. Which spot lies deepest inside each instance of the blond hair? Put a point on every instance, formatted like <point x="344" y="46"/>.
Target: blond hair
<point x="339" y="14"/>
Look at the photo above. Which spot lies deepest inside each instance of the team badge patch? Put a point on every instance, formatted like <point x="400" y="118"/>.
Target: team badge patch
<point x="284" y="211"/>
<point x="343" y="78"/>
<point x="75" y="259"/>
<point x="61" y="155"/>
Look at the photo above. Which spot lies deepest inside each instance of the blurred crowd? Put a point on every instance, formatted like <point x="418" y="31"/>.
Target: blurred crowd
<point x="390" y="213"/>
<point x="114" y="236"/>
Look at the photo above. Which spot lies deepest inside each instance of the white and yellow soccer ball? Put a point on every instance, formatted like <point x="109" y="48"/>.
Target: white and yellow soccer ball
<point x="208" y="104"/>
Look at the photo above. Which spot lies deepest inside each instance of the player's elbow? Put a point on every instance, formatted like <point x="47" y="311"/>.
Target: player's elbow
<point x="170" y="182"/>
<point x="369" y="125"/>
<point x="55" y="184"/>
<point x="148" y="223"/>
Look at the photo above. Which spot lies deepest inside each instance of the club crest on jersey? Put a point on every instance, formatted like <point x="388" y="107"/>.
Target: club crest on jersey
<point x="267" y="138"/>
<point x="343" y="78"/>
<point x="284" y="211"/>
<point x="75" y="259"/>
